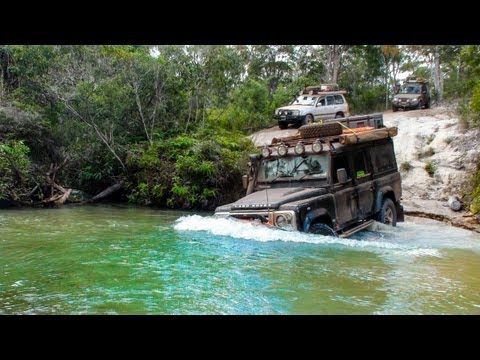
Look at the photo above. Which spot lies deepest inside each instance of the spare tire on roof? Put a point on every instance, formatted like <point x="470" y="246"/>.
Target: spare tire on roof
<point x="320" y="130"/>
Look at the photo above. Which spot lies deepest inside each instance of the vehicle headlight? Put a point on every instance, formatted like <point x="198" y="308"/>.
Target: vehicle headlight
<point x="295" y="112"/>
<point x="281" y="221"/>
<point x="284" y="219"/>
<point x="414" y="100"/>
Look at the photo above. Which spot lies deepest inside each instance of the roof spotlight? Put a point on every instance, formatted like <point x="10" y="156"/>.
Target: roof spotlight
<point x="317" y="146"/>
<point x="300" y="149"/>
<point x="266" y="152"/>
<point x="282" y="150"/>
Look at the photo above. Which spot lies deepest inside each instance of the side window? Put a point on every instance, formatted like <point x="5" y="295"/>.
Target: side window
<point x="321" y="102"/>
<point x="383" y="157"/>
<point x="338" y="99"/>
<point x="330" y="100"/>
<point x="360" y="166"/>
<point x="338" y="163"/>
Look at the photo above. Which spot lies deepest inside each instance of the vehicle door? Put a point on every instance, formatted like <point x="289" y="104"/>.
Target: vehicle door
<point x="330" y="108"/>
<point x="320" y="109"/>
<point x="364" y="185"/>
<point x="346" y="199"/>
<point x="340" y="105"/>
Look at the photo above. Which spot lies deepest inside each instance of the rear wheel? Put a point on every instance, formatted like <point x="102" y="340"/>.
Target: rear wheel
<point x="308" y="120"/>
<point x="322" y="229"/>
<point x="388" y="213"/>
<point x="339" y="115"/>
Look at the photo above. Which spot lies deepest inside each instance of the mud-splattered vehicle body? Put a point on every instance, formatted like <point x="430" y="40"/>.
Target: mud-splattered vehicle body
<point x="330" y="179"/>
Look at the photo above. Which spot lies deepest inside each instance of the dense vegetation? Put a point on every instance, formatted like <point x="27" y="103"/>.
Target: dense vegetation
<point x="169" y="122"/>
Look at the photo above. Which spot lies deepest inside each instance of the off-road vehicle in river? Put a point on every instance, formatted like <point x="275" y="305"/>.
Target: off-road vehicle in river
<point x="330" y="179"/>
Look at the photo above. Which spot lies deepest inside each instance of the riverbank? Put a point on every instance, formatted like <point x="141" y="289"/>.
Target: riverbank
<point x="434" y="140"/>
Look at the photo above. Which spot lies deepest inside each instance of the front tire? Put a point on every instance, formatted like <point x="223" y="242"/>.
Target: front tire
<point x="388" y="213"/>
<point x="322" y="229"/>
<point x="394" y="108"/>
<point x="308" y="120"/>
<point x="282" y="125"/>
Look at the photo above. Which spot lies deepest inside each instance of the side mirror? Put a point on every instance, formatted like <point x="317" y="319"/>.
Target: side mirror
<point x="424" y="91"/>
<point x="342" y="176"/>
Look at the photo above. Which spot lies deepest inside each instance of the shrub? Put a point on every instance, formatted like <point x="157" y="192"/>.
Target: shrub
<point x="199" y="172"/>
<point x="430" y="168"/>
<point x="405" y="166"/>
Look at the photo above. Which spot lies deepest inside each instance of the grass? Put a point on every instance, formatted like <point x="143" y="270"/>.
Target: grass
<point x="430" y="168"/>
<point x="429" y="152"/>
<point x="405" y="166"/>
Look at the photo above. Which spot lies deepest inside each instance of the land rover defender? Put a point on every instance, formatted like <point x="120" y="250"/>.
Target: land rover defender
<point x="329" y="179"/>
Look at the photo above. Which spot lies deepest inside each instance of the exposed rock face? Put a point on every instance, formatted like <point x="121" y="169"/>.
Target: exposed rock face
<point x="433" y="140"/>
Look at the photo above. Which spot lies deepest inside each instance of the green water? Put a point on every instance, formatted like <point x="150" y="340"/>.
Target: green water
<point x="121" y="260"/>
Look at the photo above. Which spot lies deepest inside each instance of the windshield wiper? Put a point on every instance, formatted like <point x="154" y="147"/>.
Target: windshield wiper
<point x="281" y="176"/>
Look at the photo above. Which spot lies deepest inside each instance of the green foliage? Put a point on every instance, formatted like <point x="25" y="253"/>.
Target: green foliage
<point x="174" y="124"/>
<point x="405" y="166"/>
<point x="14" y="169"/>
<point x="366" y="99"/>
<point x="248" y="109"/>
<point x="430" y="168"/>
<point x="200" y="172"/>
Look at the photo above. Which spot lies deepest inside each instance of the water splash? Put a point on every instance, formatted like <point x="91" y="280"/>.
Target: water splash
<point x="257" y="232"/>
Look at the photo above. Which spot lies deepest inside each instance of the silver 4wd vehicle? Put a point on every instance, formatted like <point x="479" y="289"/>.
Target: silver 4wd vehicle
<point x="330" y="185"/>
<point x="314" y="103"/>
<point x="414" y="94"/>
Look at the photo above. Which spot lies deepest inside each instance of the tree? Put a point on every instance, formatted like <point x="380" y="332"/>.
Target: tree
<point x="334" y="55"/>
<point x="392" y="58"/>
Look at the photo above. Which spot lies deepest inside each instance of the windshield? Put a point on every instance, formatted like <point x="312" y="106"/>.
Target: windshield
<point x="410" y="89"/>
<point x="305" y="100"/>
<point x="296" y="168"/>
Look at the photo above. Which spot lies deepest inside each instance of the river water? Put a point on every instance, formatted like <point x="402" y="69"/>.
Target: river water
<point x="127" y="260"/>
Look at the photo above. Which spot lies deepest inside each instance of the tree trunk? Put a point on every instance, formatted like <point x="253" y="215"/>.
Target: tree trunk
<point x="454" y="203"/>
<point x="107" y="192"/>
<point x="437" y="74"/>
<point x="334" y="54"/>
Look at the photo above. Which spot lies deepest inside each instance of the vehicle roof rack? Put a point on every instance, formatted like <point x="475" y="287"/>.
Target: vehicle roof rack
<point x="414" y="79"/>
<point x="320" y="89"/>
<point x="356" y="129"/>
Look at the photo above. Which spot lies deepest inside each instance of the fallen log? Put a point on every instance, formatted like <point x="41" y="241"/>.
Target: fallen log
<point x="454" y="203"/>
<point x="107" y="192"/>
<point x="58" y="199"/>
